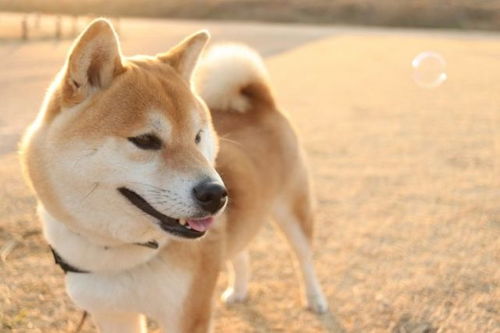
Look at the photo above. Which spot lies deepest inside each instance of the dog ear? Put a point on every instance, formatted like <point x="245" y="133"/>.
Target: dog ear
<point x="94" y="61"/>
<point x="184" y="56"/>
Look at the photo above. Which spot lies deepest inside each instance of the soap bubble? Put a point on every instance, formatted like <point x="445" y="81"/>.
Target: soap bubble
<point x="429" y="69"/>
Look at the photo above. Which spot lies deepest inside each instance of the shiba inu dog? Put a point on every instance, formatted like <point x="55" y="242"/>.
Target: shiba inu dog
<point x="149" y="180"/>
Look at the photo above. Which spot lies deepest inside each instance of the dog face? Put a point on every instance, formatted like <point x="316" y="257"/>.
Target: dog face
<point x="125" y="149"/>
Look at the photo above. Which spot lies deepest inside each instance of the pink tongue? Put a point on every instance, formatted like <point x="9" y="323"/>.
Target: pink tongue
<point x="201" y="225"/>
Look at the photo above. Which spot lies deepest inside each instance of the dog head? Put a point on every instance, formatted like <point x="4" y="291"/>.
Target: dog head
<point x="123" y="149"/>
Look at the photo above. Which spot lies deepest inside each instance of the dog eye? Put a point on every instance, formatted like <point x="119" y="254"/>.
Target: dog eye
<point x="146" y="141"/>
<point x="197" y="138"/>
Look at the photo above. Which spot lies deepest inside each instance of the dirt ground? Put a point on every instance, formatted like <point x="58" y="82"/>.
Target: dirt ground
<point x="407" y="181"/>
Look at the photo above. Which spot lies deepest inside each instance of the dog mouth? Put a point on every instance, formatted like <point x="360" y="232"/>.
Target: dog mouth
<point x="186" y="228"/>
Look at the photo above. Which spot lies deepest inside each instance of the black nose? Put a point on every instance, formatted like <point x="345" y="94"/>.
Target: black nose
<point x="210" y="195"/>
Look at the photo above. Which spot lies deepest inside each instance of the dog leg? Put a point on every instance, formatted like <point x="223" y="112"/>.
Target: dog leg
<point x="119" y="322"/>
<point x="296" y="225"/>
<point x="239" y="276"/>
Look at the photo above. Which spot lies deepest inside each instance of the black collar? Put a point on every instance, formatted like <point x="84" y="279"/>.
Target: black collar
<point x="64" y="265"/>
<point x="72" y="269"/>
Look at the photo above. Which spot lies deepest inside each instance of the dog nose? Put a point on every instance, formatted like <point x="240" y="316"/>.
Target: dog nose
<point x="210" y="195"/>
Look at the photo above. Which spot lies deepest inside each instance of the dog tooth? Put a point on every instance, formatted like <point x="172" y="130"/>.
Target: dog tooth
<point x="182" y="221"/>
<point x="188" y="226"/>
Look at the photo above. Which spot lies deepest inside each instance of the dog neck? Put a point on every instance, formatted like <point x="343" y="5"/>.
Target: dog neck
<point x="94" y="256"/>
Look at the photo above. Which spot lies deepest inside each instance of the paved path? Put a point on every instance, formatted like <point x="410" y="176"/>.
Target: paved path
<point x="408" y="180"/>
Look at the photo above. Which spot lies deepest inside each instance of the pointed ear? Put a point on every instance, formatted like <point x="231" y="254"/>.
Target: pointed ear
<point x="184" y="56"/>
<point x="94" y="61"/>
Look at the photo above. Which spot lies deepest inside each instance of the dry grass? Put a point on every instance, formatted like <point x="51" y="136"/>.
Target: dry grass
<point x="407" y="181"/>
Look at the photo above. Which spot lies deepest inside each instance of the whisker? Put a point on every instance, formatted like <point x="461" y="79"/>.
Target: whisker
<point x="230" y="141"/>
<point x="87" y="154"/>
<point x="90" y="192"/>
<point x="152" y="186"/>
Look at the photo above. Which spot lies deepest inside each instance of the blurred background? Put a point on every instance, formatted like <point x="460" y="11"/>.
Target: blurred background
<point x="461" y="14"/>
<point x="397" y="106"/>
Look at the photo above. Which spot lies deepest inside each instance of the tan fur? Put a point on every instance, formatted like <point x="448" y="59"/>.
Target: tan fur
<point x="260" y="159"/>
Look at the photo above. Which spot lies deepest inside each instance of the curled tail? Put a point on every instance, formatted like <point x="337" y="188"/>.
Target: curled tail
<point x="232" y="77"/>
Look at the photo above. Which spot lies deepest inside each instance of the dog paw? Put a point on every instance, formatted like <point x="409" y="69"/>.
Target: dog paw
<point x="229" y="296"/>
<point x="317" y="303"/>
